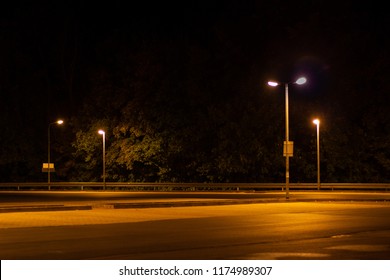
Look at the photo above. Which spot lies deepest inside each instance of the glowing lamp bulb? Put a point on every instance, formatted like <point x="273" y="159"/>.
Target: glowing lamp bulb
<point x="301" y="81"/>
<point x="273" y="84"/>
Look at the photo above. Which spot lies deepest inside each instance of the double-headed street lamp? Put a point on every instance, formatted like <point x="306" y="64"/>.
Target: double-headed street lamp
<point x="317" y="122"/>
<point x="288" y="146"/>
<point x="103" y="133"/>
<point x="49" y="168"/>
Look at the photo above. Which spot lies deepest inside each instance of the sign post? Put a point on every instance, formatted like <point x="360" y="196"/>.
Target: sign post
<point x="48" y="167"/>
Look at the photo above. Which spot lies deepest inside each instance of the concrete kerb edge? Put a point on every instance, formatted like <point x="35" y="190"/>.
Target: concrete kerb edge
<point x="128" y="205"/>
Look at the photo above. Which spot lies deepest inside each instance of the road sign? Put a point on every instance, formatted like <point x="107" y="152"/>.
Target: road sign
<point x="45" y="167"/>
<point x="288" y="149"/>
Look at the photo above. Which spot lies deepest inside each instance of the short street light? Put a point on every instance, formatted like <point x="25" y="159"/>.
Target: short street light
<point x="59" y="122"/>
<point x="317" y="122"/>
<point x="288" y="146"/>
<point x="103" y="133"/>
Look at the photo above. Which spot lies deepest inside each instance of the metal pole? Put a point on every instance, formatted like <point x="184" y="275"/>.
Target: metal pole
<point x="104" y="161"/>
<point x="48" y="151"/>
<point x="318" y="156"/>
<point x="287" y="147"/>
<point x="48" y="157"/>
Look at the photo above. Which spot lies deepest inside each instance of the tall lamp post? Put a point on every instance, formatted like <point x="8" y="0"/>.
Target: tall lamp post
<point x="103" y="133"/>
<point x="59" y="122"/>
<point x="317" y="122"/>
<point x="288" y="146"/>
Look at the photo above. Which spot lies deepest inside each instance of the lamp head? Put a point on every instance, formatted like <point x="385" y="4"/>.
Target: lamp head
<point x="273" y="83"/>
<point x="316" y="121"/>
<point x="101" y="132"/>
<point x="60" y="122"/>
<point x="301" y="81"/>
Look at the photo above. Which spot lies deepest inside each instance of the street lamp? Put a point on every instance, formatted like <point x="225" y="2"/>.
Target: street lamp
<point x="317" y="122"/>
<point x="59" y="122"/>
<point x="288" y="146"/>
<point x="103" y="133"/>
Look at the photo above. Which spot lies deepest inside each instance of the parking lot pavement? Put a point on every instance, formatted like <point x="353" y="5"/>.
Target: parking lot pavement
<point x="131" y="215"/>
<point x="74" y="217"/>
<point x="106" y="216"/>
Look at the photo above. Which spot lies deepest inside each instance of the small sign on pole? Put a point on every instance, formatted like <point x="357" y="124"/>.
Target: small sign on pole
<point x="47" y="168"/>
<point x="288" y="150"/>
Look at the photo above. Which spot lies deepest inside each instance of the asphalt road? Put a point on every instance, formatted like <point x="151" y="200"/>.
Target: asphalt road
<point x="288" y="230"/>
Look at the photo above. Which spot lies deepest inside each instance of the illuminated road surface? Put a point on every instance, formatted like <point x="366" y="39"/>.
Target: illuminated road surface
<point x="294" y="230"/>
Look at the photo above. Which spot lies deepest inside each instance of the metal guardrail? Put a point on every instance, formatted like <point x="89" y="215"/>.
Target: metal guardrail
<point x="131" y="186"/>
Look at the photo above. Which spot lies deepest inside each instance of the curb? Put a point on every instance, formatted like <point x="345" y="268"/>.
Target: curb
<point x="129" y="205"/>
<point x="124" y="205"/>
<point x="189" y="203"/>
<point x="42" y="208"/>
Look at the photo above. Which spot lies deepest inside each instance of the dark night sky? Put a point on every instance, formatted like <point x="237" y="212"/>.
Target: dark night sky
<point x="276" y="38"/>
<point x="49" y="48"/>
